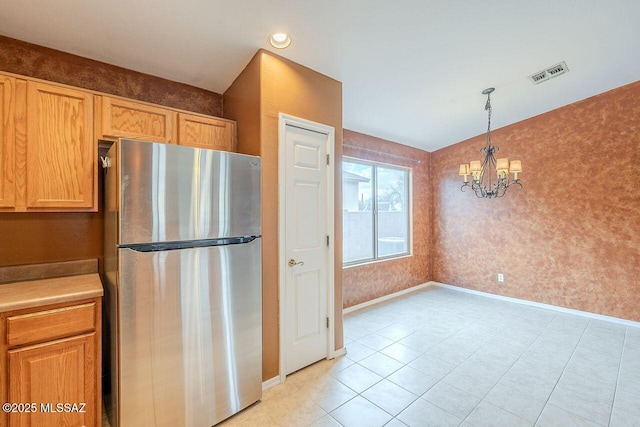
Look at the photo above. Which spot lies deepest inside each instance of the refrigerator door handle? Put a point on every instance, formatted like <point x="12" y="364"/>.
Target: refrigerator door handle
<point x="187" y="244"/>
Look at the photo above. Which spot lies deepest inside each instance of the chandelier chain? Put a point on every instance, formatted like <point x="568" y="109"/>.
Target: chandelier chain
<point x="488" y="108"/>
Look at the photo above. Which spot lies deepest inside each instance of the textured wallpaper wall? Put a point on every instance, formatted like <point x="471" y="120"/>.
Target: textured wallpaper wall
<point x="370" y="281"/>
<point x="571" y="237"/>
<point x="53" y="65"/>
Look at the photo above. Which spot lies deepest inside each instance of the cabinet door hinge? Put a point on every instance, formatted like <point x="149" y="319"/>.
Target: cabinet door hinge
<point x="327" y="323"/>
<point x="327" y="240"/>
<point x="327" y="159"/>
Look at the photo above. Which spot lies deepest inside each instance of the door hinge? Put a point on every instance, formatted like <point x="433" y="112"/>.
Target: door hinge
<point x="327" y="323"/>
<point x="327" y="159"/>
<point x="327" y="240"/>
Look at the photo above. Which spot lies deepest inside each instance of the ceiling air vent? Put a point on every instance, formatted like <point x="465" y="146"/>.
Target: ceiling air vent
<point x="549" y="73"/>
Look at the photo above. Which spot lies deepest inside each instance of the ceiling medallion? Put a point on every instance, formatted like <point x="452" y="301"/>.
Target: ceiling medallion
<point x="483" y="172"/>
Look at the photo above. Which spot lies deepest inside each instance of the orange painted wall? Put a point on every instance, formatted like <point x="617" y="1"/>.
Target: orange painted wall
<point x="242" y="104"/>
<point x="366" y="282"/>
<point x="283" y="86"/>
<point x="293" y="89"/>
<point x="571" y="237"/>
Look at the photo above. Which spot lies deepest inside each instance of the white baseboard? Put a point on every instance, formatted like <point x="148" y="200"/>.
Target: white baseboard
<point x="386" y="297"/>
<point x="339" y="352"/>
<point x="540" y="305"/>
<point x="266" y="385"/>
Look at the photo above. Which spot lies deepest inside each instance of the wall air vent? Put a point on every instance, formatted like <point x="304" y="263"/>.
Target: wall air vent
<point x="549" y="73"/>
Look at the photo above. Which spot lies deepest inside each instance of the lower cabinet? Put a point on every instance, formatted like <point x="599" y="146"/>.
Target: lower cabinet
<point x="53" y="363"/>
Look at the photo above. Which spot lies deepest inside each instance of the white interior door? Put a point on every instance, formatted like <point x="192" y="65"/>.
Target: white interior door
<point x="306" y="249"/>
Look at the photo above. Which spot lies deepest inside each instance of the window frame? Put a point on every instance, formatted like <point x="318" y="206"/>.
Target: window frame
<point x="374" y="196"/>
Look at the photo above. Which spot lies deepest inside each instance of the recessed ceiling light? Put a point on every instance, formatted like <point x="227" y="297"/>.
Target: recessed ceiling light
<point x="280" y="40"/>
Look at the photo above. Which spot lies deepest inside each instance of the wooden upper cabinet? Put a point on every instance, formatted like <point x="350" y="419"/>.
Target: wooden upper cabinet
<point x="7" y="142"/>
<point x="61" y="153"/>
<point x="126" y="119"/>
<point x="49" y="133"/>
<point x="206" y="132"/>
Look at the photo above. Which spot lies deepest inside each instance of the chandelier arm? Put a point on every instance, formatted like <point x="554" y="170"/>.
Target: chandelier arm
<point x="477" y="189"/>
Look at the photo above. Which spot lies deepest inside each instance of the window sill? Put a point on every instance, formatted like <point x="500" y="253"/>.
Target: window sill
<point x="377" y="261"/>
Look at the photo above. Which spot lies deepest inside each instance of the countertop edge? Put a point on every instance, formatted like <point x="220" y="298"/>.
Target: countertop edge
<point x="39" y="293"/>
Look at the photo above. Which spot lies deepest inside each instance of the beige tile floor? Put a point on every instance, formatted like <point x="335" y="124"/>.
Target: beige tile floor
<point x="439" y="357"/>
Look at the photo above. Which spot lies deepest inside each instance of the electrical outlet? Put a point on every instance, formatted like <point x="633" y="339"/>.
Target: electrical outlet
<point x="500" y="277"/>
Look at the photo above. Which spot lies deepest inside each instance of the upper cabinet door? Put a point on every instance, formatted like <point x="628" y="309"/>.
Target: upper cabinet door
<point x="204" y="132"/>
<point x="126" y="119"/>
<point x="61" y="158"/>
<point x="7" y="142"/>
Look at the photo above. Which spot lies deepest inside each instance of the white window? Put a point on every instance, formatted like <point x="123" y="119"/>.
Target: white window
<point x="376" y="206"/>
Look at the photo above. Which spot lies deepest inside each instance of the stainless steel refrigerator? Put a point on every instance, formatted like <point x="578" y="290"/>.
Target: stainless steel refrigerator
<point x="183" y="284"/>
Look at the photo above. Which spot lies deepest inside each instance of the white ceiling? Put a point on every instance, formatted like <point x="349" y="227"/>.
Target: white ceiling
<point x="412" y="70"/>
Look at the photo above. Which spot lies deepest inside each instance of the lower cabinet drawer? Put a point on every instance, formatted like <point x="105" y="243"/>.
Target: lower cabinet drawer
<point x="51" y="324"/>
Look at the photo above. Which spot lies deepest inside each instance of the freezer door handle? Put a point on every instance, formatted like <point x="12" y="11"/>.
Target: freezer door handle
<point x="188" y="244"/>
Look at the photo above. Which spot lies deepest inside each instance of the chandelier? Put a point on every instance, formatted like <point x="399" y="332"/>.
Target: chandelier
<point x="484" y="172"/>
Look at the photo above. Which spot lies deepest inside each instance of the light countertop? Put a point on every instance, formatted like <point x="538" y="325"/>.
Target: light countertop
<point x="36" y="293"/>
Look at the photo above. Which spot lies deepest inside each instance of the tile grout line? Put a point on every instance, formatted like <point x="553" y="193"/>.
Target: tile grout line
<point x="615" y="392"/>
<point x="485" y="344"/>
<point x="469" y="356"/>
<point x="511" y="367"/>
<point x="503" y="335"/>
<point x="394" y="417"/>
<point x="562" y="374"/>
<point x="521" y="315"/>
<point x="407" y="365"/>
<point x="481" y="399"/>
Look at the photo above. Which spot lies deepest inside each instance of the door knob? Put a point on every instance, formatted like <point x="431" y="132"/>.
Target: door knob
<point x="293" y="263"/>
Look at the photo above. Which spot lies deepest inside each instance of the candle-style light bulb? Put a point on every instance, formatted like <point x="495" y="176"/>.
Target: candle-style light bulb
<point x="515" y="167"/>
<point x="464" y="171"/>
<point x="502" y="167"/>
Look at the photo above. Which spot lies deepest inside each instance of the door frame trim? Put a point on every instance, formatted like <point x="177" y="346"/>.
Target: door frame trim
<point x="285" y="120"/>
